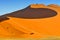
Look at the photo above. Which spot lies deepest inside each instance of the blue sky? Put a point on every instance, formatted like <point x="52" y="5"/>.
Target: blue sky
<point x="7" y="6"/>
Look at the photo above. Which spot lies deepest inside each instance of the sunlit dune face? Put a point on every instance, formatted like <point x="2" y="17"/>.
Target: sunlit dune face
<point x="37" y="5"/>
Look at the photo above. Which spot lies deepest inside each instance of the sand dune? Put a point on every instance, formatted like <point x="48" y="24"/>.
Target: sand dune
<point x="35" y="21"/>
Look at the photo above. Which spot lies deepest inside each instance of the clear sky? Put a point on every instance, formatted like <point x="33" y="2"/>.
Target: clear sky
<point x="7" y="6"/>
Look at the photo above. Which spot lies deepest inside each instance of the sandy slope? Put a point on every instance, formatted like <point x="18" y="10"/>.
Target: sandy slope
<point x="20" y="27"/>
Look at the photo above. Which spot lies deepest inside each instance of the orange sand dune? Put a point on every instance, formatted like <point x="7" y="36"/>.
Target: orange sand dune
<point x="32" y="26"/>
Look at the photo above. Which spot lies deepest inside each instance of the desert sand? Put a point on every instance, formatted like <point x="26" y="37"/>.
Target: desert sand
<point x="34" y="21"/>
